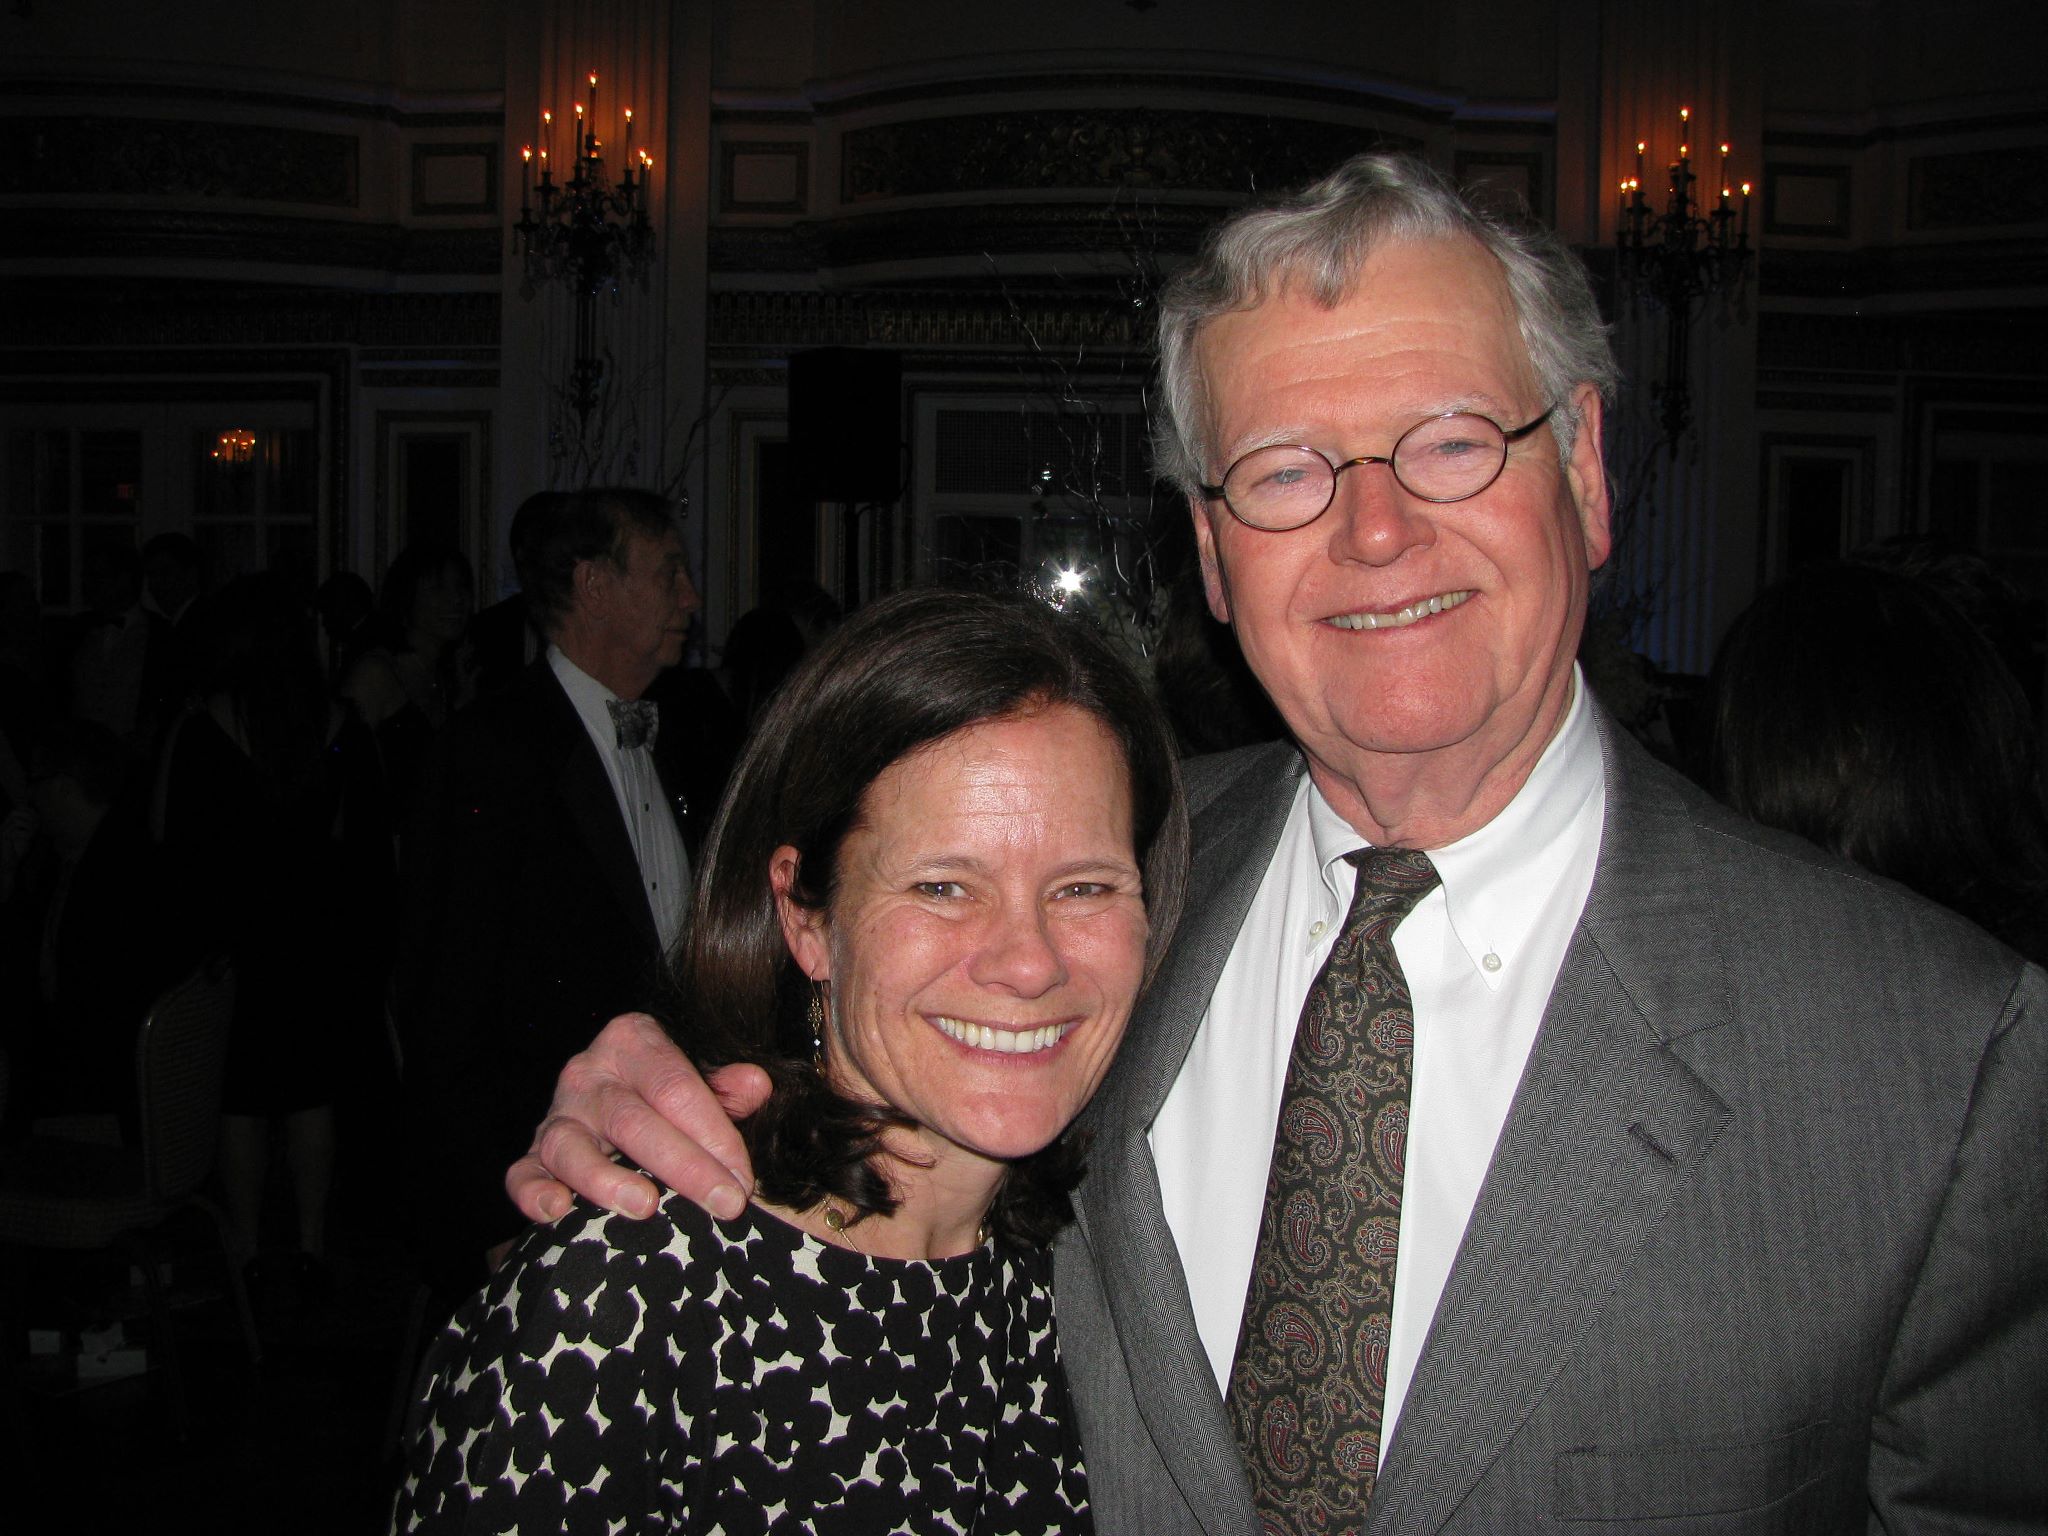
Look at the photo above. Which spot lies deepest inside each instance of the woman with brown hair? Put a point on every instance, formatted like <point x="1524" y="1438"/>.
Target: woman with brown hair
<point x="948" y="860"/>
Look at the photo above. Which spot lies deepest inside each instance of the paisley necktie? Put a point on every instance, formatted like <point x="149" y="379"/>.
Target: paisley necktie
<point x="1310" y="1378"/>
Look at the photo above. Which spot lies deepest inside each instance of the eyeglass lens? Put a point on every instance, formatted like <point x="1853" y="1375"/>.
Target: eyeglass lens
<point x="1446" y="458"/>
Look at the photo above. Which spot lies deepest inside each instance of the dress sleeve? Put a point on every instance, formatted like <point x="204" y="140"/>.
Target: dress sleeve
<point x="564" y="1395"/>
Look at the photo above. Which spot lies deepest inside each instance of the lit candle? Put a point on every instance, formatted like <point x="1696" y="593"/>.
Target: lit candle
<point x="1745" y="212"/>
<point x="547" y="136"/>
<point x="629" y="130"/>
<point x="525" y="178"/>
<point x="579" y="130"/>
<point x="545" y="172"/>
<point x="1640" y="147"/>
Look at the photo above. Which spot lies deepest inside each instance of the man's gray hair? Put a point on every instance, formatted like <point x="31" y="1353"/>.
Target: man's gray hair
<point x="1320" y="238"/>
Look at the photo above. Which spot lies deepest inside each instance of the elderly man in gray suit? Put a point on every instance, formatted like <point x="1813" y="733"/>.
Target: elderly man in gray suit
<point x="1708" y="1189"/>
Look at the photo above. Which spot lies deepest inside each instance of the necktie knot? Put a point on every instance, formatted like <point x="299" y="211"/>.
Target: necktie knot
<point x="1391" y="880"/>
<point x="634" y="722"/>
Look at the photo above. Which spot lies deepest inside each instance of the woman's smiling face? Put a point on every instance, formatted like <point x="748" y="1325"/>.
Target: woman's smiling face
<point x="986" y="939"/>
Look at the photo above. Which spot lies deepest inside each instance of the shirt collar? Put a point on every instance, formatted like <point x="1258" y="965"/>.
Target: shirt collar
<point x="1498" y="880"/>
<point x="590" y="698"/>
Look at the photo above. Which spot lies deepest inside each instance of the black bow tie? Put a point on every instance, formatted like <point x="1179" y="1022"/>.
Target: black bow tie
<point x="634" y="720"/>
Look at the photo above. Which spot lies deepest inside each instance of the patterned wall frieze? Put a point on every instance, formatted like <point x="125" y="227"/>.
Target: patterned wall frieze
<point x="969" y="235"/>
<point x="1107" y="147"/>
<point x="756" y="322"/>
<point x="139" y="315"/>
<point x="1979" y="189"/>
<point x="1956" y="267"/>
<point x="150" y="157"/>
<point x="42" y="234"/>
<point x="1796" y="350"/>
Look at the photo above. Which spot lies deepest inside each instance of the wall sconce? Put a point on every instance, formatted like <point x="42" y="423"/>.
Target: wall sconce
<point x="585" y="233"/>
<point x="1680" y="256"/>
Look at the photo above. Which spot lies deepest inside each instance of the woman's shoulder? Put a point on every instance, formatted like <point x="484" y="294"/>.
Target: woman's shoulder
<point x="676" y="1254"/>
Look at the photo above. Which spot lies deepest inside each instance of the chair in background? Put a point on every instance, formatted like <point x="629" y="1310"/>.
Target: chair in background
<point x="81" y="1195"/>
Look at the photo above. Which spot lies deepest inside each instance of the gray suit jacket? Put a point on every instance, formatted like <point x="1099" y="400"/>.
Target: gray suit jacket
<point x="1763" y="1245"/>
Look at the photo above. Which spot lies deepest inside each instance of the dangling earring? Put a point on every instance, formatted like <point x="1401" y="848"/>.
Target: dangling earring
<point x="815" y="1016"/>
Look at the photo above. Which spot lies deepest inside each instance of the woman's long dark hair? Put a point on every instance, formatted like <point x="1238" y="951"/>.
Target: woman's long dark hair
<point x="902" y="673"/>
<point x="1859" y="708"/>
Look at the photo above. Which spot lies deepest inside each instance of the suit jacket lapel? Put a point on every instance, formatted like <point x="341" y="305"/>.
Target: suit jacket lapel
<point x="1606" y="1125"/>
<point x="1119" y="1205"/>
<point x="586" y="790"/>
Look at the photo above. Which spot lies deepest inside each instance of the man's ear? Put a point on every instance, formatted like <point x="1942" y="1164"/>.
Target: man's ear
<point x="1212" y="568"/>
<point x="1586" y="478"/>
<point x="591" y="583"/>
<point x="803" y="928"/>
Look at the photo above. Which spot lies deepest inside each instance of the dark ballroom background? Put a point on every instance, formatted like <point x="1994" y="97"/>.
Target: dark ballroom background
<point x="260" y="285"/>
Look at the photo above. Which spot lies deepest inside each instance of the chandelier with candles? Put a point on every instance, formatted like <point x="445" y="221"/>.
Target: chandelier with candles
<point x="587" y="233"/>
<point x="1679" y="256"/>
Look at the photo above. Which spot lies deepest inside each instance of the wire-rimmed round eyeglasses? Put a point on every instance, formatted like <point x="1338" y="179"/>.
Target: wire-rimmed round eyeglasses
<point x="1445" y="458"/>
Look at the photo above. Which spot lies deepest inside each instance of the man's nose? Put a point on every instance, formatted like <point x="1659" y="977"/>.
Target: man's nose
<point x="686" y="592"/>
<point x="1374" y="521"/>
<point x="1018" y="954"/>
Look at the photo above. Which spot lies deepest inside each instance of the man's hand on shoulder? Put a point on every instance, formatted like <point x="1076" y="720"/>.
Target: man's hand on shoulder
<point x="633" y="1091"/>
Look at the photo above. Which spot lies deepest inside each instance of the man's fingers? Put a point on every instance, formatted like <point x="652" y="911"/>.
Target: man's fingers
<point x="634" y="1091"/>
<point x="742" y="1088"/>
<point x="681" y="1160"/>
<point x="567" y="1149"/>
<point x="539" y="1195"/>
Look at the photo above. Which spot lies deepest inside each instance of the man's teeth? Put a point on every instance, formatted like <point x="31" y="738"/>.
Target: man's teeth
<point x="1012" y="1042"/>
<point x="1408" y="615"/>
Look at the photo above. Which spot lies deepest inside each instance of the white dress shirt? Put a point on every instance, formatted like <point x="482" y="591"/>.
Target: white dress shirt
<point x="643" y="803"/>
<point x="1481" y="954"/>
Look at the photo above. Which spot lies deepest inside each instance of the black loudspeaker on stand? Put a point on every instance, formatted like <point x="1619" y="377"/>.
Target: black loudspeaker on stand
<point x="845" y="424"/>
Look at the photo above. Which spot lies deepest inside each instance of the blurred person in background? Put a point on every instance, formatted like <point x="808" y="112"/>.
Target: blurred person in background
<point x="1860" y="708"/>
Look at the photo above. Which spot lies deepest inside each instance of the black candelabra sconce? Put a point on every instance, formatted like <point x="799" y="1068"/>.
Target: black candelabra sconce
<point x="1680" y="256"/>
<point x="588" y="233"/>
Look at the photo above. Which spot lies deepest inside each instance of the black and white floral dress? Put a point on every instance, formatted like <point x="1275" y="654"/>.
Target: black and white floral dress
<point x="683" y="1374"/>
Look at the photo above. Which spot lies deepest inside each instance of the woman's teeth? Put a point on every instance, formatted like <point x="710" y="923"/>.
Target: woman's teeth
<point x="1408" y="615"/>
<point x="1012" y="1042"/>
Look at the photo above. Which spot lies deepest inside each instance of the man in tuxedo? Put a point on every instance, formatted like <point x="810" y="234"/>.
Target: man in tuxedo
<point x="1677" y="1177"/>
<point x="546" y="873"/>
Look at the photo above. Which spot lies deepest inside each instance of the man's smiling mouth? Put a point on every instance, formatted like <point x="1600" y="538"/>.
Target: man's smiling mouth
<point x="1422" y="609"/>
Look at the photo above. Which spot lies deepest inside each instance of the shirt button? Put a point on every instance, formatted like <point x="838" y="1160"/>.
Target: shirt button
<point x="1489" y="962"/>
<point x="1316" y="929"/>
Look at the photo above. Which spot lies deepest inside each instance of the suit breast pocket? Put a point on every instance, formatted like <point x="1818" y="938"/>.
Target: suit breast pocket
<point x="1699" y="1479"/>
